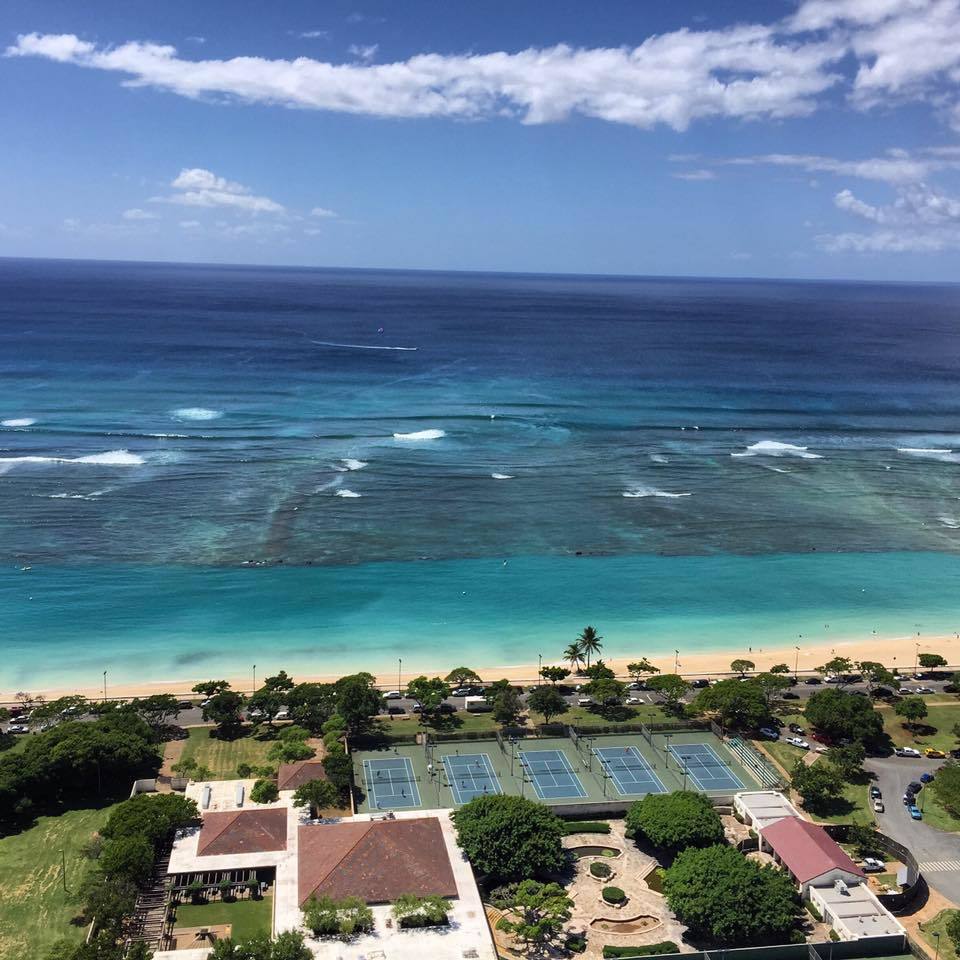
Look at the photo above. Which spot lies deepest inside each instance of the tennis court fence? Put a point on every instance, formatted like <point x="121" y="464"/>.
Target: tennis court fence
<point x="755" y="762"/>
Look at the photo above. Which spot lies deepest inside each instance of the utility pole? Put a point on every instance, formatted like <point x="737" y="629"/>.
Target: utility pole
<point x="796" y="664"/>
<point x="539" y="668"/>
<point x="400" y="674"/>
<point x="254" y="690"/>
<point x="104" y="686"/>
<point x="676" y="661"/>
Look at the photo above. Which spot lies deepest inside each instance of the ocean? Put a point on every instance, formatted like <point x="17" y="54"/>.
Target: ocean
<point x="206" y="467"/>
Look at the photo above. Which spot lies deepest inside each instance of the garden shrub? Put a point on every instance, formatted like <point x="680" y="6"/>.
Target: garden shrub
<point x="650" y="950"/>
<point x="585" y="826"/>
<point x="614" y="895"/>
<point x="600" y="870"/>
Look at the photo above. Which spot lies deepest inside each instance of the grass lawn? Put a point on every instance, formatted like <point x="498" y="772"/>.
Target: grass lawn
<point x="34" y="909"/>
<point x="933" y="731"/>
<point x="852" y="807"/>
<point x="939" y="925"/>
<point x="249" y="918"/>
<point x="223" y="756"/>
<point x="785" y="754"/>
<point x="935" y="814"/>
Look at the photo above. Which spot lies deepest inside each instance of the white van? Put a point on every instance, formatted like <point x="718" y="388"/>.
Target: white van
<point x="476" y="705"/>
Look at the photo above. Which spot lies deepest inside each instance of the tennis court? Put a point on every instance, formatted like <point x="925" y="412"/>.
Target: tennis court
<point x="629" y="771"/>
<point x="391" y="783"/>
<point x="551" y="774"/>
<point x="705" y="767"/>
<point x="470" y="775"/>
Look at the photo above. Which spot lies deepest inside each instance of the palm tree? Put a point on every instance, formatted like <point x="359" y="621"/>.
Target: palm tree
<point x="573" y="655"/>
<point x="589" y="642"/>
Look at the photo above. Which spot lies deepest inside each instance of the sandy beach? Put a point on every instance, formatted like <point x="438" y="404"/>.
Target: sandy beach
<point x="894" y="652"/>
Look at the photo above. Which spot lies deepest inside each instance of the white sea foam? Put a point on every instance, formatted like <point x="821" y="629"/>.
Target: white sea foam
<point x="502" y="476"/>
<point x="352" y="464"/>
<point x="196" y="413"/>
<point x="349" y="494"/>
<point x="658" y="458"/>
<point x="18" y="422"/>
<point x="774" y="448"/>
<point x="112" y="458"/>
<point x="360" y="346"/>
<point x="943" y="454"/>
<point x="93" y="495"/>
<point x="952" y="522"/>
<point x="421" y="435"/>
<point x="639" y="492"/>
<point x="169" y="436"/>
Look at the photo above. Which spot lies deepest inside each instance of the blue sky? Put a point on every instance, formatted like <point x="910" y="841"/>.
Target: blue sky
<point x="816" y="138"/>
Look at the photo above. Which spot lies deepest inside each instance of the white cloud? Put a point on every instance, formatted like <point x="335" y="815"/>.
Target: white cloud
<point x="322" y="212"/>
<point x="136" y="213"/>
<point x="895" y="168"/>
<point x="314" y="34"/>
<point x="198" y="40"/>
<point x="846" y="201"/>
<point x="197" y="187"/>
<point x="673" y="78"/>
<point x="363" y="53"/>
<point x="885" y="241"/>
<point x="700" y="174"/>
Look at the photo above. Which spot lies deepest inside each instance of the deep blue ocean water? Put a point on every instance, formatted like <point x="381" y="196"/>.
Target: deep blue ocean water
<point x="200" y="466"/>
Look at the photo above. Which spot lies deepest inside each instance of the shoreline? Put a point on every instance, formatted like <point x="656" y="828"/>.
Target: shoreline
<point x="891" y="651"/>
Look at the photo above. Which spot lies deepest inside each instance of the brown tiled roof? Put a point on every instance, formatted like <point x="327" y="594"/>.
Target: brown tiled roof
<point x="243" y="831"/>
<point x="293" y="775"/>
<point x="374" y="860"/>
<point x="806" y="849"/>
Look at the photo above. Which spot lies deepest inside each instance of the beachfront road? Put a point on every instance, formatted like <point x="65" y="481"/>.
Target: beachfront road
<point x="938" y="853"/>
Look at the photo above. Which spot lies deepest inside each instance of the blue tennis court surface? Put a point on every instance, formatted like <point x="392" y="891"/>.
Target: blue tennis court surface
<point x="707" y="770"/>
<point x="629" y="771"/>
<point x="470" y="775"/>
<point x="553" y="777"/>
<point x="391" y="783"/>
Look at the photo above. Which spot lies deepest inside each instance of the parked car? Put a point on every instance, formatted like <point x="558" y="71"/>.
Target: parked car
<point x="906" y="752"/>
<point x="924" y="690"/>
<point x="873" y="865"/>
<point x="771" y="733"/>
<point x="914" y="786"/>
<point x="834" y="679"/>
<point x="633" y="700"/>
<point x="821" y="749"/>
<point x="283" y="714"/>
<point x="184" y="704"/>
<point x="878" y="806"/>
<point x="904" y="691"/>
<point x="18" y="728"/>
<point x="395" y="710"/>
<point x="926" y="777"/>
<point x="934" y="753"/>
<point x="908" y="798"/>
<point x="463" y="692"/>
<point x="416" y="708"/>
<point x="813" y="680"/>
<point x="789" y="695"/>
<point x="699" y="683"/>
<point x="914" y="812"/>
<point x="393" y="695"/>
<point x="875" y="793"/>
<point x="795" y="728"/>
<point x="798" y="742"/>
<point x="584" y="701"/>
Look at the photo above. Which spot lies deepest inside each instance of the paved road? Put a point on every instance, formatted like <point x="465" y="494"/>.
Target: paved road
<point x="937" y="852"/>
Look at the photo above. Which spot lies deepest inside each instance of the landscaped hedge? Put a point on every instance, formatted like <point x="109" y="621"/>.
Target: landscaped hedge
<point x="650" y="950"/>
<point x="585" y="826"/>
<point x="600" y="870"/>
<point x="613" y="895"/>
<point x="417" y="920"/>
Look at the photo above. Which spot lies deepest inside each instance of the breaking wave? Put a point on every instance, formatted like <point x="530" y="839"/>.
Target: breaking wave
<point x="639" y="492"/>
<point x="196" y="413"/>
<point x="774" y="448"/>
<point x="112" y="458"/>
<point x="502" y="476"/>
<point x="421" y="435"/>
<point x="349" y="494"/>
<point x="18" y="422"/>
<point x="943" y="454"/>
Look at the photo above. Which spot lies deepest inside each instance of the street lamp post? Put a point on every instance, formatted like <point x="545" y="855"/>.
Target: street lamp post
<point x="539" y="668"/>
<point x="676" y="661"/>
<point x="104" y="686"/>
<point x="796" y="664"/>
<point x="254" y="690"/>
<point x="400" y="674"/>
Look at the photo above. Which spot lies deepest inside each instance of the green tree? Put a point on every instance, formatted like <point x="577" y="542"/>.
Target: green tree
<point x="724" y="898"/>
<point x="836" y="715"/>
<point x="674" y="821"/>
<point x="780" y="669"/>
<point x="154" y="816"/>
<point x="280" y="683"/>
<point x="321" y="916"/>
<point x="743" y="667"/>
<point x="605" y="691"/>
<point x="290" y="751"/>
<point x="190" y="768"/>
<point x="554" y="674"/>
<point x="548" y="702"/>
<point x="848" y="759"/>
<point x="507" y="706"/>
<point x="573" y="654"/>
<point x="429" y="692"/>
<point x="127" y="858"/>
<point x="409" y="910"/>
<point x="929" y="661"/>
<point x="740" y="706"/>
<point x="539" y="911"/>
<point x="210" y="688"/>
<point x="509" y="838"/>
<point x="461" y="675"/>
<point x="820" y="784"/>
<point x="772" y="686"/>
<point x="338" y="767"/>
<point x="264" y="791"/>
<point x="357" y="700"/>
<point x="641" y="668"/>
<point x="157" y="710"/>
<point x="317" y="795"/>
<point x="671" y="687"/>
<point x="912" y="709"/>
<point x="311" y="705"/>
<point x="837" y="668"/>
<point x="589" y="641"/>
<point x="953" y="929"/>
<point x="225" y="710"/>
<point x="266" y="704"/>
<point x="874" y="674"/>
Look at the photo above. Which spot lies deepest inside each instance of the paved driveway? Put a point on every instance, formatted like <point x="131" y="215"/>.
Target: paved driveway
<point x="938" y="853"/>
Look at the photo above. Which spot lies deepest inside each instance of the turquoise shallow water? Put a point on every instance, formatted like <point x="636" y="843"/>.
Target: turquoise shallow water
<point x="183" y="622"/>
